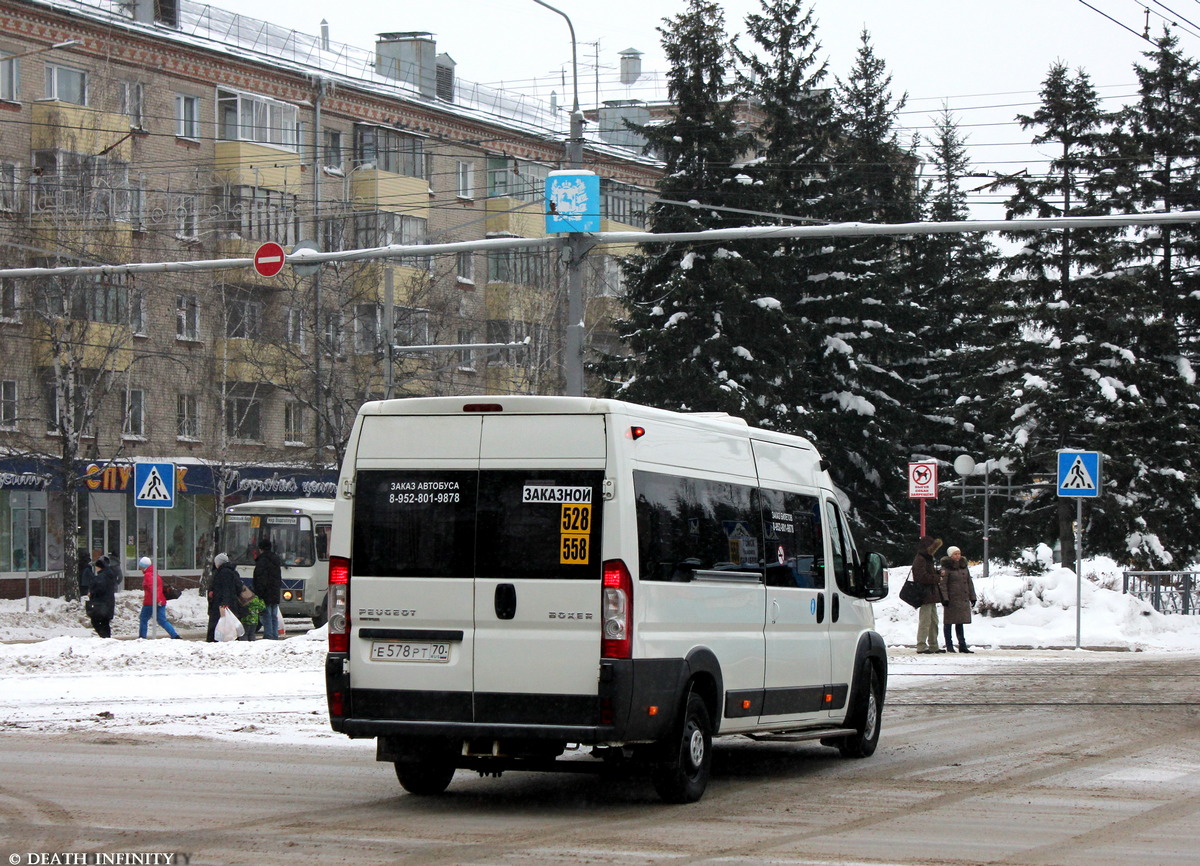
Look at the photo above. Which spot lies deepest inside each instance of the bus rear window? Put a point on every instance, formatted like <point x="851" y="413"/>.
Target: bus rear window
<point x="290" y="535"/>
<point x="508" y="524"/>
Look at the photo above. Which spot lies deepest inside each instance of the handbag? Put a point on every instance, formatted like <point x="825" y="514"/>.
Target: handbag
<point x="245" y="595"/>
<point x="912" y="593"/>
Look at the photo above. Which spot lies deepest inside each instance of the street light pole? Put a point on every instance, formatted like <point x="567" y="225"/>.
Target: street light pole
<point x="577" y="245"/>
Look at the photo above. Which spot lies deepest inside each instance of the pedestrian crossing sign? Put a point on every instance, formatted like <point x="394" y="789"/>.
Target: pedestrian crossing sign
<point x="1078" y="473"/>
<point x="154" y="485"/>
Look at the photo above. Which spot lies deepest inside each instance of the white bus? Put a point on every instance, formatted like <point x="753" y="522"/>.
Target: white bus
<point x="516" y="578"/>
<point x="299" y="533"/>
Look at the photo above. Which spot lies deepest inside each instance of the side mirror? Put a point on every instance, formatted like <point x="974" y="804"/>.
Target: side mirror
<point x="875" y="585"/>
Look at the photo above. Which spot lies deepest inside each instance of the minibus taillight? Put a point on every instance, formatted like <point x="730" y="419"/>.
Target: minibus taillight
<point x="339" y="604"/>
<point x="616" y="611"/>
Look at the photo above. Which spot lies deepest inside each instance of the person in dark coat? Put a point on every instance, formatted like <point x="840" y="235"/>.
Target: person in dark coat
<point x="102" y="596"/>
<point x="224" y="591"/>
<point x="268" y="585"/>
<point x="959" y="593"/>
<point x="925" y="574"/>
<point x="86" y="573"/>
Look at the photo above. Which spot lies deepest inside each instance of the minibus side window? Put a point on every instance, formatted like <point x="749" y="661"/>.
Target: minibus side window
<point x="794" y="547"/>
<point x="690" y="524"/>
<point x="841" y="549"/>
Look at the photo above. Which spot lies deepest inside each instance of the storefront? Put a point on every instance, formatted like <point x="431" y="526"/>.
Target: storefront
<point x="31" y="513"/>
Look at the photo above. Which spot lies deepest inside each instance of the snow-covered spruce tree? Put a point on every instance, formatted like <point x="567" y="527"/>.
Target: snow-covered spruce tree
<point x="956" y="372"/>
<point x="701" y="334"/>
<point x="1155" y="166"/>
<point x="859" y="318"/>
<point x="1070" y="383"/>
<point x="788" y="84"/>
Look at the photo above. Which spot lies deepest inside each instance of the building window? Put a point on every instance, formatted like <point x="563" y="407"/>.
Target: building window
<point x="92" y="298"/>
<point x="390" y="150"/>
<point x="187" y="116"/>
<point x="187" y="317"/>
<point x="466" y="267"/>
<point x="10" y="300"/>
<point x="9" y="200"/>
<point x="94" y="186"/>
<point x="410" y="326"/>
<point x="135" y="414"/>
<point x="293" y="423"/>
<point x="466" y="357"/>
<point x="294" y="329"/>
<point x="66" y="84"/>
<point x="263" y="214"/>
<point x="384" y="228"/>
<point x="8" y="404"/>
<point x="517" y="178"/>
<point x="333" y="149"/>
<point x="247" y="117"/>
<point x="187" y="419"/>
<point x="333" y="333"/>
<point x="500" y="331"/>
<point x="464" y="180"/>
<point x="623" y="203"/>
<point x="10" y="78"/>
<point x="187" y="221"/>
<point x="367" y="328"/>
<point x="523" y="267"/>
<point x="137" y="312"/>
<point x="243" y="416"/>
<point x="133" y="101"/>
<point x="243" y="316"/>
<point x="84" y="422"/>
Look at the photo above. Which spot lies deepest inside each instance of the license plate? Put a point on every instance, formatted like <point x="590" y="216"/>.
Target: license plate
<point x="409" y="651"/>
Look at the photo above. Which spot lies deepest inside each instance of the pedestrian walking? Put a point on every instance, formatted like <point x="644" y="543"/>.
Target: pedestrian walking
<point x="102" y="596"/>
<point x="268" y="585"/>
<point x="224" y="591"/>
<point x="152" y="592"/>
<point x="959" y="594"/>
<point x="925" y="573"/>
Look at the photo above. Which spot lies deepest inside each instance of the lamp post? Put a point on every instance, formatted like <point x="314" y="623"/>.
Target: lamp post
<point x="965" y="465"/>
<point x="577" y="245"/>
<point x="70" y="43"/>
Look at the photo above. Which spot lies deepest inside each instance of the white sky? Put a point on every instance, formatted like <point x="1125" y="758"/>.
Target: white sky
<point x="61" y="677"/>
<point x="985" y="59"/>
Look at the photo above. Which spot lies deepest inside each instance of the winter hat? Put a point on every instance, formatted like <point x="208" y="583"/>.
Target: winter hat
<point x="144" y="562"/>
<point x="220" y="559"/>
<point x="950" y="551"/>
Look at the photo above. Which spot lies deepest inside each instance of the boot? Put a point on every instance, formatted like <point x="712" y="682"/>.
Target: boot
<point x="964" y="649"/>
<point x="949" y="648"/>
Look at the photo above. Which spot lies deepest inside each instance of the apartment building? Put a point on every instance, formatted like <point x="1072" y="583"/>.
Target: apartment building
<point x="171" y="131"/>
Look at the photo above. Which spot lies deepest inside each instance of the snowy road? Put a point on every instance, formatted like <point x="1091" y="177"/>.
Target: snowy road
<point x="1006" y="757"/>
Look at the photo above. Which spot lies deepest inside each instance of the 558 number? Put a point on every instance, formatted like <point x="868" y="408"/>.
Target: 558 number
<point x="573" y="550"/>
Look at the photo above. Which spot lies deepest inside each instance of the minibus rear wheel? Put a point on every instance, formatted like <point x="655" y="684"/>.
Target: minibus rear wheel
<point x="425" y="778"/>
<point x="681" y="775"/>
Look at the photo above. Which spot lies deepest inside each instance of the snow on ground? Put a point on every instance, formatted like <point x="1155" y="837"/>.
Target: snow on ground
<point x="56" y="675"/>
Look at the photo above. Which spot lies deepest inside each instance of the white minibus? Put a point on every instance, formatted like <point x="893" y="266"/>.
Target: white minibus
<point x="556" y="583"/>
<point x="299" y="533"/>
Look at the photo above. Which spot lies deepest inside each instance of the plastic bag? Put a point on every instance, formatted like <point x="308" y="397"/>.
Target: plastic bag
<point x="228" y="627"/>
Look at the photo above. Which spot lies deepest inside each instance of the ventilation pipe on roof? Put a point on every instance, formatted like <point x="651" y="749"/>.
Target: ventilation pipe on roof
<point x="409" y="57"/>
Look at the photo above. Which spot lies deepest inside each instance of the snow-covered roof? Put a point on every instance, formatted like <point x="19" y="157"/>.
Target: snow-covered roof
<point x="215" y="29"/>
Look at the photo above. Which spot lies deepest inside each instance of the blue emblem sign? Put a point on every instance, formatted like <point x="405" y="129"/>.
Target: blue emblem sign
<point x="572" y="201"/>
<point x="154" y="485"/>
<point x="1078" y="473"/>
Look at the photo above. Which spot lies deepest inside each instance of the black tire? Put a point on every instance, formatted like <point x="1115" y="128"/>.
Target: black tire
<point x="321" y="615"/>
<point x="681" y="775"/>
<point x="866" y="717"/>
<point x="424" y="778"/>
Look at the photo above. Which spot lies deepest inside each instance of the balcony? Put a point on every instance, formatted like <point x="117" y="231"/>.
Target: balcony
<point x="79" y="129"/>
<point x="244" y="163"/>
<point x="92" y="345"/>
<point x="372" y="189"/>
<point x="514" y="216"/>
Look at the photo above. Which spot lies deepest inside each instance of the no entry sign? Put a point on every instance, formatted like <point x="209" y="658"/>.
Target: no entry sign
<point x="268" y="259"/>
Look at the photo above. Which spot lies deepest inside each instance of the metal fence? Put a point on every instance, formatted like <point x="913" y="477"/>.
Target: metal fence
<point x="50" y="584"/>
<point x="1167" y="591"/>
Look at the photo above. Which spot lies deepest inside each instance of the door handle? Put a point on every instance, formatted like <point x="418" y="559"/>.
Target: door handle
<point x="774" y="611"/>
<point x="821" y="608"/>
<point x="836" y="609"/>
<point x="505" y="601"/>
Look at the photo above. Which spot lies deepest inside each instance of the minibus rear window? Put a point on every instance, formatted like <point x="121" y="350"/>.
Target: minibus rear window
<point x="510" y="524"/>
<point x="414" y="524"/>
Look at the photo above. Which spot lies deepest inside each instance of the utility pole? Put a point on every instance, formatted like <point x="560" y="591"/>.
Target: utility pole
<point x="577" y="245"/>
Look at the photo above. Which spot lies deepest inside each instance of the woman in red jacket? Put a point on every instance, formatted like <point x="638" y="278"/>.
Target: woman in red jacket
<point x="152" y="583"/>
